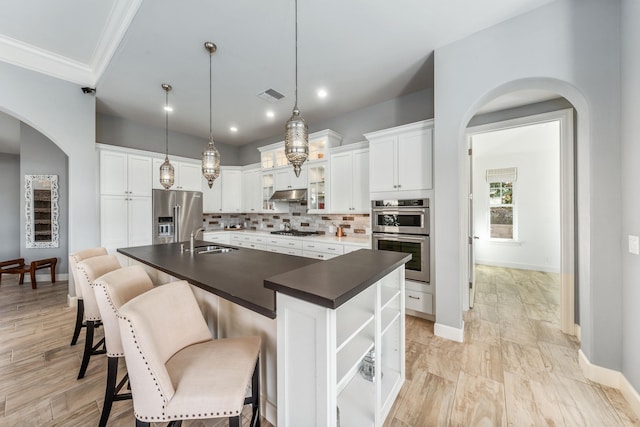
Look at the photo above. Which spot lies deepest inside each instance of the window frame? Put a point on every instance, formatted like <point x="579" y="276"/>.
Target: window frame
<point x="514" y="210"/>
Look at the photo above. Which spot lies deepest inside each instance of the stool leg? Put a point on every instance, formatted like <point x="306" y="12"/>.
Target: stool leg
<point x="142" y="423"/>
<point x="53" y="273"/>
<point x="112" y="377"/>
<point x="21" y="279"/>
<point x="88" y="347"/>
<point x="79" y="317"/>
<point x="235" y="421"/>
<point x="255" y="396"/>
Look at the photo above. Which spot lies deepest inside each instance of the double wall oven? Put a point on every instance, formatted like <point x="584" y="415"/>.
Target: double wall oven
<point x="403" y="226"/>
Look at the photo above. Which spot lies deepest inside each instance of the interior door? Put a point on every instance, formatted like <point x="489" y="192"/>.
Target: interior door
<point x="471" y="237"/>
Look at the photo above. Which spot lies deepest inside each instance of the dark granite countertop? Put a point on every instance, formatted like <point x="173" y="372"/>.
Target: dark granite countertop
<point x="249" y="277"/>
<point x="333" y="282"/>
<point x="237" y="276"/>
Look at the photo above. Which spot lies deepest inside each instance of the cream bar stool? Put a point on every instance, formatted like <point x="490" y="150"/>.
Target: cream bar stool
<point x="74" y="259"/>
<point x="112" y="290"/>
<point x="88" y="271"/>
<point x="177" y="371"/>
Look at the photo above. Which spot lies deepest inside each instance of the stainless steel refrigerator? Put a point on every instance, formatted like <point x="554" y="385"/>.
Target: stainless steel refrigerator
<point x="175" y="215"/>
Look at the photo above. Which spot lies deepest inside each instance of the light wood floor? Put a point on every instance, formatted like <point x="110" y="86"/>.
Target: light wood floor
<point x="515" y="368"/>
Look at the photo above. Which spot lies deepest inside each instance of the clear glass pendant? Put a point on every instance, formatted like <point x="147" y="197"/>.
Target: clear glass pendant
<point x="211" y="163"/>
<point x="167" y="174"/>
<point x="296" y="141"/>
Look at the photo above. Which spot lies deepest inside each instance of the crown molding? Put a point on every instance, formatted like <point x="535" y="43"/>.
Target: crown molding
<point x="46" y="62"/>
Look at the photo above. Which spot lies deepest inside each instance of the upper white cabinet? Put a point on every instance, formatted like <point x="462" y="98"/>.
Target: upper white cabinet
<point x="212" y="197"/>
<point x="187" y="175"/>
<point x="251" y="190"/>
<point x="317" y="196"/>
<point x="350" y="179"/>
<point x="286" y="179"/>
<point x="226" y="193"/>
<point x="122" y="173"/>
<point x="401" y="158"/>
<point x="273" y="156"/>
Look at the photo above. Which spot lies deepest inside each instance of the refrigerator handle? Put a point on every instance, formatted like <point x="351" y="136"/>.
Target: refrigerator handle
<point x="176" y="223"/>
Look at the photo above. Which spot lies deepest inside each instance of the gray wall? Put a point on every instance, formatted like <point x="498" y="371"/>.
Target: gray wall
<point x="570" y="47"/>
<point x="9" y="208"/>
<point x="630" y="13"/>
<point x="40" y="156"/>
<point x="126" y="133"/>
<point x="60" y="111"/>
<point x="395" y="112"/>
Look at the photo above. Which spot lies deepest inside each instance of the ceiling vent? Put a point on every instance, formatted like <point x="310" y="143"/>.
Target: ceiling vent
<point x="271" y="95"/>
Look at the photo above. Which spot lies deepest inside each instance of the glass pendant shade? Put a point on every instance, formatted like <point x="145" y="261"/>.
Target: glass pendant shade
<point x="211" y="163"/>
<point x="296" y="141"/>
<point x="167" y="172"/>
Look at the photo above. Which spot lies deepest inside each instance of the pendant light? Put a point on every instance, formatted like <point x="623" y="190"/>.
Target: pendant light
<point x="211" y="155"/>
<point x="296" y="136"/>
<point x="167" y="173"/>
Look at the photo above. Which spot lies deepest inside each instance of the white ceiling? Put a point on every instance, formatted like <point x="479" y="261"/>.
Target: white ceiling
<point x="361" y="51"/>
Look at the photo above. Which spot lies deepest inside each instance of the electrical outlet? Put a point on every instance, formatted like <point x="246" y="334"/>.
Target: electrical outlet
<point x="634" y="245"/>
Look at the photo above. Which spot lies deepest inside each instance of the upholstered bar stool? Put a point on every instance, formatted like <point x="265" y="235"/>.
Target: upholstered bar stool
<point x="74" y="259"/>
<point x="112" y="290"/>
<point x="88" y="271"/>
<point x="177" y="371"/>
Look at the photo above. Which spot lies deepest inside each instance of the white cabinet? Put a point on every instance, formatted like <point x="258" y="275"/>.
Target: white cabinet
<point x="350" y="180"/>
<point x="249" y="241"/>
<point x="317" y="187"/>
<point x="226" y="193"/>
<point x="122" y="173"/>
<point x="420" y="298"/>
<point x="321" y="250"/>
<point x="286" y="179"/>
<point x="216" y="237"/>
<point x="401" y="158"/>
<point x="251" y="190"/>
<point x="187" y="175"/>
<point x="125" y="221"/>
<point x="324" y="349"/>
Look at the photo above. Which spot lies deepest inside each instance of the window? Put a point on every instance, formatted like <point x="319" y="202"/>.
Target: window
<point x="501" y="206"/>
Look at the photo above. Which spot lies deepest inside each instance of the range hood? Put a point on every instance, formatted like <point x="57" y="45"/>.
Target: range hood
<point x="295" y="195"/>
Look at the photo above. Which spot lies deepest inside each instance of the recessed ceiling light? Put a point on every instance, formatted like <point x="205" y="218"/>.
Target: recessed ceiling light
<point x="168" y="108"/>
<point x="322" y="93"/>
<point x="271" y="114"/>
<point x="233" y="129"/>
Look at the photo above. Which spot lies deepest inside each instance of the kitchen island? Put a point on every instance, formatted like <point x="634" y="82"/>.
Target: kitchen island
<point x="354" y="300"/>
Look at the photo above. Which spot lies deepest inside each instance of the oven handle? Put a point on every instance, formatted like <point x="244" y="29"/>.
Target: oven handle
<point x="395" y="236"/>
<point x="399" y="212"/>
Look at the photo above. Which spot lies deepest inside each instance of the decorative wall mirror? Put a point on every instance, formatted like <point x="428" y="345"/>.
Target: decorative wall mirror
<point x="41" y="209"/>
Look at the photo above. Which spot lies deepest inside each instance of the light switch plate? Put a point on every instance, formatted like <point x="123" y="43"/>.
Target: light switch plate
<point x="634" y="245"/>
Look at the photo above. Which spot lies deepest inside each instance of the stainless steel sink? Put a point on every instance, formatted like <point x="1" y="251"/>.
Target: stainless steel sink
<point x="213" y="249"/>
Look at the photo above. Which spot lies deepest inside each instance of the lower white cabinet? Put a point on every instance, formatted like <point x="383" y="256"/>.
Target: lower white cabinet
<point x="321" y="250"/>
<point x="419" y="297"/>
<point x="125" y="221"/>
<point x="249" y="241"/>
<point x="216" y="237"/>
<point x="326" y="348"/>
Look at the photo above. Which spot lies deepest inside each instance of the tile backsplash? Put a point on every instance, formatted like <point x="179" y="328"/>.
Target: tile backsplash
<point x="297" y="217"/>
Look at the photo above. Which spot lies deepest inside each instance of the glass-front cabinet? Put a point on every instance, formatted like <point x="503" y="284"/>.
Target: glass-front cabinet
<point x="316" y="193"/>
<point x="320" y="143"/>
<point x="267" y="191"/>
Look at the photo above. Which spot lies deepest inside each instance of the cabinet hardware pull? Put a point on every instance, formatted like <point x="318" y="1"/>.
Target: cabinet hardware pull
<point x="412" y="297"/>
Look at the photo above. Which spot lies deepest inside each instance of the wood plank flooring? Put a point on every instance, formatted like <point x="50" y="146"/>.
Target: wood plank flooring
<point x="515" y="367"/>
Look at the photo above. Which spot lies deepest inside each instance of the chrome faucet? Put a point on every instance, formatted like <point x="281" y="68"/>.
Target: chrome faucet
<point x="193" y="238"/>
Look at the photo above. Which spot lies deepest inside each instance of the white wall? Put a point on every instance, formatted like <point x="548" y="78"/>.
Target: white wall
<point x="61" y="112"/>
<point x="535" y="151"/>
<point x="630" y="13"/>
<point x="570" y="47"/>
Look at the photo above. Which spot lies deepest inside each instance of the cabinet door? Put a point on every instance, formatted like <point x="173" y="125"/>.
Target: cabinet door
<point x="251" y="200"/>
<point x="382" y="164"/>
<point x="360" y="191"/>
<point x="341" y="182"/>
<point x="317" y="196"/>
<point x="212" y="197"/>
<point x="190" y="177"/>
<point x="231" y="190"/>
<point x="282" y="179"/>
<point x="267" y="191"/>
<point x="113" y="173"/>
<point x="139" y="175"/>
<point x="113" y="222"/>
<point x="140" y="221"/>
<point x="414" y="164"/>
<point x="155" y="174"/>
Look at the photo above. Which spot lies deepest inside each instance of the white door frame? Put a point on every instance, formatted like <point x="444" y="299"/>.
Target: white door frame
<point x="567" y="205"/>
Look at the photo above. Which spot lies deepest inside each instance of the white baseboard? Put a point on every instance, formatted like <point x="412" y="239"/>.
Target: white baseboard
<point x="72" y="301"/>
<point x="610" y="378"/>
<point x="577" y="332"/>
<point x="448" y="332"/>
<point x="45" y="277"/>
<point x="271" y="412"/>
